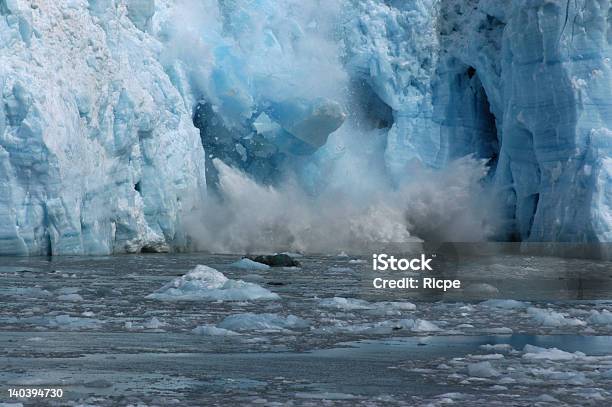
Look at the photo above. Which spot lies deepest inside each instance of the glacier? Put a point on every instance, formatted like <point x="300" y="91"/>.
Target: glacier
<point x="114" y="112"/>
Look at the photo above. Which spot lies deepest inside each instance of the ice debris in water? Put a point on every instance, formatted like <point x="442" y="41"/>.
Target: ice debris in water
<point x="547" y="317"/>
<point x="73" y="323"/>
<point x="504" y="304"/>
<point x="344" y="303"/>
<point x="248" y="264"/>
<point x="262" y="322"/>
<point x="348" y="304"/>
<point x="70" y="297"/>
<point x="29" y="292"/>
<point x="207" y="284"/>
<point x="535" y="352"/>
<point x="601" y="318"/>
<point x="211" y="330"/>
<point x="382" y="327"/>
<point x="482" y="369"/>
<point x="154" y="323"/>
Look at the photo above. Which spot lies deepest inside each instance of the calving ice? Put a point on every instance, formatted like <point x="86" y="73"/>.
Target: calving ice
<point x="384" y="262"/>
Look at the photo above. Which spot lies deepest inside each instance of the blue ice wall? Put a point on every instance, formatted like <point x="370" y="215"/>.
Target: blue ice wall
<point x="522" y="84"/>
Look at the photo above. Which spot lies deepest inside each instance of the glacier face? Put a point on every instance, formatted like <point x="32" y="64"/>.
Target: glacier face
<point x="97" y="146"/>
<point x="114" y="110"/>
<point x="523" y="84"/>
<point x="545" y="68"/>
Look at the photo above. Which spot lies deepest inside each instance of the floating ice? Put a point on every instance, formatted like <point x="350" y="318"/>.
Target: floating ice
<point x="262" y="322"/>
<point x="248" y="264"/>
<point x="31" y="292"/>
<point x="504" y="304"/>
<point x="482" y="369"/>
<point x="345" y="304"/>
<point x="206" y="283"/>
<point x="375" y="308"/>
<point x="550" y="318"/>
<point x="154" y="323"/>
<point x="501" y="347"/>
<point x="536" y="352"/>
<point x="70" y="297"/>
<point x="601" y="318"/>
<point x="211" y="330"/>
<point x="382" y="327"/>
<point x="73" y="323"/>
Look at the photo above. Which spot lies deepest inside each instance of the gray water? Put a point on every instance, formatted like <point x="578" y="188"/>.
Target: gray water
<point x="119" y="347"/>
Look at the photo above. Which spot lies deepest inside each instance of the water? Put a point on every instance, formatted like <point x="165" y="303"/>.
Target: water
<point x="117" y="347"/>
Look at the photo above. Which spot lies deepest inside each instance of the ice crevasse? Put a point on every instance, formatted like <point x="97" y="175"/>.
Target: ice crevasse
<point x="112" y="110"/>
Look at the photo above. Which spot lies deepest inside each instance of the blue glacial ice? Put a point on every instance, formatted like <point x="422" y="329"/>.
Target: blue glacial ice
<point x="114" y="111"/>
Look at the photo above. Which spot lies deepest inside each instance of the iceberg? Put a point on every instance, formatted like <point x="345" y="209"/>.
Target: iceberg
<point x="204" y="283"/>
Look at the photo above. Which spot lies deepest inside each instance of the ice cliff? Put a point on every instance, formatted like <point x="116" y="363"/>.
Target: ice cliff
<point x="113" y="111"/>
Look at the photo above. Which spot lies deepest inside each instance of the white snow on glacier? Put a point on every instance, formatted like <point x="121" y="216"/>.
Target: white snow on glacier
<point x="113" y="112"/>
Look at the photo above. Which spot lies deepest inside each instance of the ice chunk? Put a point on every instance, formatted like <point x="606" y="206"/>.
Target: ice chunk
<point x="154" y="323"/>
<point x="31" y="292"/>
<point x="70" y="297"/>
<point x="73" y="323"/>
<point x="482" y="369"/>
<point x="500" y="347"/>
<point x="504" y="304"/>
<point x="547" y="317"/>
<point x="248" y="264"/>
<point x="601" y="318"/>
<point x="383" y="327"/>
<point x="207" y="284"/>
<point x="344" y="303"/>
<point x="310" y="121"/>
<point x="262" y="322"/>
<point x="211" y="330"/>
<point x="535" y="353"/>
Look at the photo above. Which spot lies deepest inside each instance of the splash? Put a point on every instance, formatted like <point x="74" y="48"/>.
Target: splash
<point x="445" y="205"/>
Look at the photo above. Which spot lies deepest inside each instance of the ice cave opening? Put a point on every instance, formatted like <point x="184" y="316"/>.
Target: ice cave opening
<point x="468" y="125"/>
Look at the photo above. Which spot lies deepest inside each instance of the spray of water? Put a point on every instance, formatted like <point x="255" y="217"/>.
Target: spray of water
<point x="445" y="205"/>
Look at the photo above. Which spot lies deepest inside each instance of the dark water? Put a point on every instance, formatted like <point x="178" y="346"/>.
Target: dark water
<point x="84" y="325"/>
